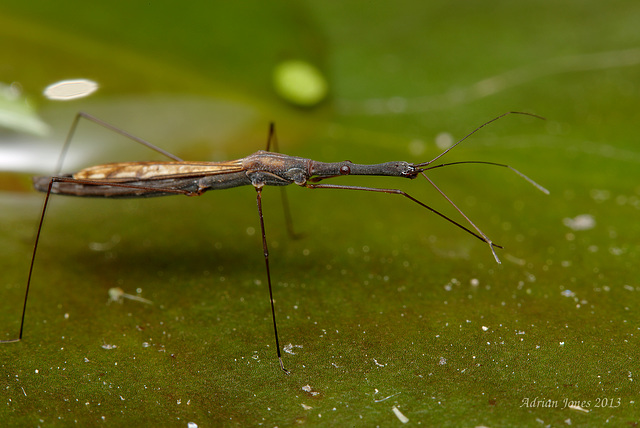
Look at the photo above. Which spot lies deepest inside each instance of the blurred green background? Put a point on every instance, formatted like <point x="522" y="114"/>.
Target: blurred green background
<point x="383" y="305"/>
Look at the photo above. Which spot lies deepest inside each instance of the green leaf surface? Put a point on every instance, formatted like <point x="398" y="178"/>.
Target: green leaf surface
<point x="385" y="311"/>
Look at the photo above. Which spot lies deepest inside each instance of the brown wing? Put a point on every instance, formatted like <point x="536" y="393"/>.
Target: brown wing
<point x="127" y="171"/>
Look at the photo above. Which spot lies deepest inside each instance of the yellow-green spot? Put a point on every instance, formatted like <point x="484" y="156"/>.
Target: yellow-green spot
<point x="300" y="83"/>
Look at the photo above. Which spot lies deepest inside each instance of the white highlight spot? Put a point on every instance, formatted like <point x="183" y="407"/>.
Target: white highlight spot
<point x="417" y="147"/>
<point x="66" y="90"/>
<point x="580" y="222"/>
<point x="105" y="246"/>
<point x="444" y="140"/>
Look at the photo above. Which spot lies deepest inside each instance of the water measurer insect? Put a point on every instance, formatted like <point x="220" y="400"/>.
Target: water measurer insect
<point x="263" y="168"/>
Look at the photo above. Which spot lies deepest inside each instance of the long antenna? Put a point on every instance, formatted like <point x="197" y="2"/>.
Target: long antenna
<point x="533" y="183"/>
<point x="473" y="132"/>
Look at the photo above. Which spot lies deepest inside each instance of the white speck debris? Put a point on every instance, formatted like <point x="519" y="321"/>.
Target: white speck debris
<point x="65" y="90"/>
<point x="399" y="415"/>
<point x="378" y="364"/>
<point x="289" y="348"/>
<point x="580" y="222"/>
<point x="304" y="406"/>
<point x="116" y="294"/>
<point x="578" y="408"/>
<point x="108" y="346"/>
<point x="192" y="425"/>
<point x="385" y="398"/>
<point x="485" y="328"/>
<point x="442" y="361"/>
<point x="309" y="390"/>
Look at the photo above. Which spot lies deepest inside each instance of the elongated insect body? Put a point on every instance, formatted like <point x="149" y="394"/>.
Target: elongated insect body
<point x="263" y="168"/>
<point x="136" y="188"/>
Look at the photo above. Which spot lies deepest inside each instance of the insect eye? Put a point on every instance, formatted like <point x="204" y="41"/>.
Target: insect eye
<point x="345" y="170"/>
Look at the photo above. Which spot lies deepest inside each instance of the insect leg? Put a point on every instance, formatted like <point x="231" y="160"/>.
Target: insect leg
<point x="110" y="127"/>
<point x="33" y="258"/>
<point x="266" y="260"/>
<point x="481" y="236"/>
<point x="288" y="219"/>
<point x="485" y="238"/>
<point x="41" y="222"/>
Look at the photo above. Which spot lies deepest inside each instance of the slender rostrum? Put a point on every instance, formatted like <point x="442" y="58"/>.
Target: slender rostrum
<point x="263" y="168"/>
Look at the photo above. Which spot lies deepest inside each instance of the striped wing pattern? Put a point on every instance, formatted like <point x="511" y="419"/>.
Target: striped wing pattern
<point x="136" y="171"/>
